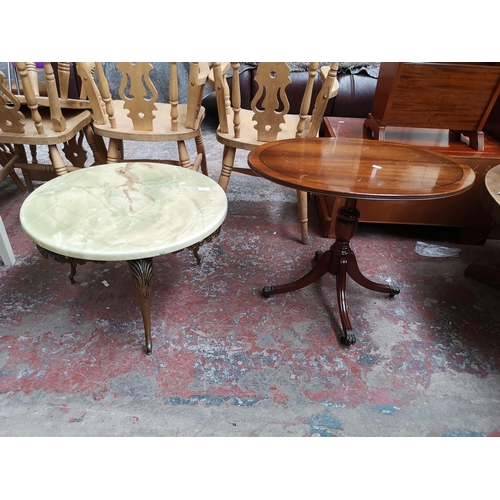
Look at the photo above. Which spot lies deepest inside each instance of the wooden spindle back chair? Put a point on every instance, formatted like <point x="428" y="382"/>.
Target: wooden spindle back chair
<point x="43" y="115"/>
<point x="269" y="119"/>
<point x="138" y="116"/>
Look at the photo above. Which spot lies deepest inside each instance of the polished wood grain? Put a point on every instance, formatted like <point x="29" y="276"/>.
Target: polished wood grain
<point x="355" y="169"/>
<point x="431" y="139"/>
<point x="453" y="96"/>
<point x="464" y="211"/>
<point x="361" y="169"/>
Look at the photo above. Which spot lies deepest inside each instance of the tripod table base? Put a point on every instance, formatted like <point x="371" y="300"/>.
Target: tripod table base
<point x="339" y="261"/>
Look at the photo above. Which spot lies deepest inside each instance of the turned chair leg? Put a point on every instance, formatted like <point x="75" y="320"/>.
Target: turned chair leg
<point x="183" y="154"/>
<point x="96" y="145"/>
<point x="57" y="160"/>
<point x="200" y="149"/>
<point x="113" y="154"/>
<point x="227" y="166"/>
<point x="302" y="202"/>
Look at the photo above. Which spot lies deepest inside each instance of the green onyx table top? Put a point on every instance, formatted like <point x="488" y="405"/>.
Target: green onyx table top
<point x="123" y="211"/>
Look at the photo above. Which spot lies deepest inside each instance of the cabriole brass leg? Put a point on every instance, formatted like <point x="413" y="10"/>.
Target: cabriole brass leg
<point x="142" y="273"/>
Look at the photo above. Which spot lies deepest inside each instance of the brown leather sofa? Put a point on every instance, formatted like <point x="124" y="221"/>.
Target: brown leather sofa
<point x="355" y="97"/>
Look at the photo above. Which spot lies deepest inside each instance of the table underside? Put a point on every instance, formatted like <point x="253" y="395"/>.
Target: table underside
<point x="142" y="275"/>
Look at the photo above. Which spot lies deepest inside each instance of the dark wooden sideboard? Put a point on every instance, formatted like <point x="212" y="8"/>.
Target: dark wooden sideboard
<point x="453" y="96"/>
<point x="464" y="211"/>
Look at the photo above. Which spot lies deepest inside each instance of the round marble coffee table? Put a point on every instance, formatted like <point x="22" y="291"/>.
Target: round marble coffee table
<point x="488" y="272"/>
<point x="124" y="212"/>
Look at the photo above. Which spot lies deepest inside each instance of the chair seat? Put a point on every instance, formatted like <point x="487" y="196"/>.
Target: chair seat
<point x="248" y="134"/>
<point x="75" y="121"/>
<point x="125" y="129"/>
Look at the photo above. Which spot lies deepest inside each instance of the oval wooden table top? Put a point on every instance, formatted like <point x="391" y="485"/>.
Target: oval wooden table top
<point x="357" y="168"/>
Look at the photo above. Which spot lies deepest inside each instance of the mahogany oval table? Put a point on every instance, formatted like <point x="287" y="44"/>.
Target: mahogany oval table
<point x="355" y="169"/>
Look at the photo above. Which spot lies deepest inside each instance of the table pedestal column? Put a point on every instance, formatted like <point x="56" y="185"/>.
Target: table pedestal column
<point x="339" y="261"/>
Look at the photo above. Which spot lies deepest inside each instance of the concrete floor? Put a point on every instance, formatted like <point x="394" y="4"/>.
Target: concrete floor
<point x="226" y="361"/>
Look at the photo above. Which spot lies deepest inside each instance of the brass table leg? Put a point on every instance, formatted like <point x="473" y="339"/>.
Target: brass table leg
<point x="142" y="273"/>
<point x="339" y="261"/>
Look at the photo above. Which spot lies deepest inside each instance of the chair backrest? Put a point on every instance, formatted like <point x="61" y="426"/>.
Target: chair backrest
<point x="68" y="83"/>
<point x="329" y="89"/>
<point x="270" y="103"/>
<point x="12" y="118"/>
<point x="140" y="94"/>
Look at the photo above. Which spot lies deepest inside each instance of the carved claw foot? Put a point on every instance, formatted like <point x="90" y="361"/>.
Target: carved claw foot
<point x="267" y="291"/>
<point x="349" y="338"/>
